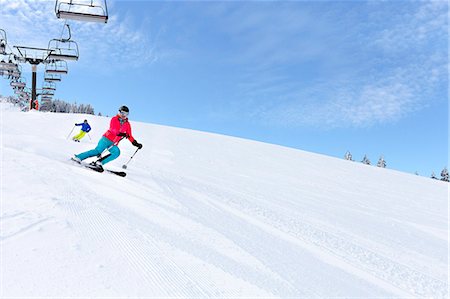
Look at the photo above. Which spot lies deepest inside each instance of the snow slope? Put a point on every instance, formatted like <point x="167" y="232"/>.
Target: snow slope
<point x="208" y="216"/>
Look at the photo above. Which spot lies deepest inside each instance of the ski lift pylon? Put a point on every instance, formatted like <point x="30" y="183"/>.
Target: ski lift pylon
<point x="82" y="11"/>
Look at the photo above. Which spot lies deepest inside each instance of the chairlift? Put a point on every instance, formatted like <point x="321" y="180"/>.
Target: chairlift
<point x="46" y="100"/>
<point x="9" y="65"/>
<point x="2" y="42"/>
<point x="82" y="11"/>
<point x="56" y="67"/>
<point x="63" y="50"/>
<point x="18" y="88"/>
<point x="24" y="96"/>
<point x="52" y="77"/>
<point x="12" y="71"/>
<point x="13" y="75"/>
<point x="20" y="92"/>
<point x="18" y="83"/>
<point x="46" y="92"/>
<point x="49" y="86"/>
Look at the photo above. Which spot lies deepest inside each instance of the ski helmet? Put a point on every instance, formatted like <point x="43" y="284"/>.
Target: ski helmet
<point x="124" y="109"/>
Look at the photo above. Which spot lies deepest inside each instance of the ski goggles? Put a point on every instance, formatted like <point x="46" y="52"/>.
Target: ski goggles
<point x="123" y="113"/>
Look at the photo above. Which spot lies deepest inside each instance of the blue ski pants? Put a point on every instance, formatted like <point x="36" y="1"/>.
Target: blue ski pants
<point x="103" y="144"/>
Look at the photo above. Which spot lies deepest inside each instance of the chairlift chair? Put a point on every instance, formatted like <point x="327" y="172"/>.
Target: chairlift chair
<point x="2" y="42"/>
<point x="13" y="73"/>
<point x="18" y="88"/>
<point x="46" y="97"/>
<point x="25" y="96"/>
<point x="18" y="84"/>
<point x="20" y="92"/>
<point x="77" y="10"/>
<point x="52" y="77"/>
<point x="9" y="65"/>
<point x="61" y="49"/>
<point x="49" y="86"/>
<point x="48" y="93"/>
<point x="56" y="67"/>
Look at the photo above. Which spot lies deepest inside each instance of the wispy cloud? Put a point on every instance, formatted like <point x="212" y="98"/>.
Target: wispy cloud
<point x="352" y="74"/>
<point x="332" y="106"/>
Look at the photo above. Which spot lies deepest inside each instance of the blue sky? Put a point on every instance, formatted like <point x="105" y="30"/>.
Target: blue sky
<point x="370" y="77"/>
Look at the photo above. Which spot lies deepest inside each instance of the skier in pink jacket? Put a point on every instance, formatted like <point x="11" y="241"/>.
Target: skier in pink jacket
<point x="119" y="128"/>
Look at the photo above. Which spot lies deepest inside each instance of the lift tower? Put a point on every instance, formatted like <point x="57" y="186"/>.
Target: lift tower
<point x="36" y="57"/>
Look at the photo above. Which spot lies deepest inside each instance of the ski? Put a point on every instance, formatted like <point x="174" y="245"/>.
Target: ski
<point x="99" y="169"/>
<point x="119" y="173"/>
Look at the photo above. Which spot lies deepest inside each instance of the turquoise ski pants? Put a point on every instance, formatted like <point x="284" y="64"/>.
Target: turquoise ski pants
<point x="103" y="144"/>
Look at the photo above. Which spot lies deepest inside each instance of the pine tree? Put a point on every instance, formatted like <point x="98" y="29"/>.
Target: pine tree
<point x="365" y="160"/>
<point x="444" y="175"/>
<point x="381" y="162"/>
<point x="433" y="176"/>
<point x="348" y="156"/>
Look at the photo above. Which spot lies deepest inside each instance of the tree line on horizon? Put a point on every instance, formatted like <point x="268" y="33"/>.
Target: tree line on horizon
<point x="60" y="106"/>
<point x="382" y="163"/>
<point x="56" y="106"/>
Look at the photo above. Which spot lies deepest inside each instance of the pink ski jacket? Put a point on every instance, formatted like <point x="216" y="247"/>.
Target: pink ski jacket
<point x="117" y="126"/>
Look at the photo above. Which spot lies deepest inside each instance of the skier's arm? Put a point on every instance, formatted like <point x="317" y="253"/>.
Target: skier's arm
<point x="129" y="135"/>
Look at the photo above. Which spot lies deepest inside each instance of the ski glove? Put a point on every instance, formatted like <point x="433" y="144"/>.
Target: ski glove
<point x="137" y="144"/>
<point x="122" y="134"/>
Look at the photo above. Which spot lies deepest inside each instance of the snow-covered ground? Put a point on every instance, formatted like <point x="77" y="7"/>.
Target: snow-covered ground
<point x="201" y="215"/>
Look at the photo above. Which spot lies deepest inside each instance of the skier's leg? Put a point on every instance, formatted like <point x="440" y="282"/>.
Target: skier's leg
<point x="103" y="144"/>
<point x="77" y="137"/>
<point x="81" y="135"/>
<point x="114" y="152"/>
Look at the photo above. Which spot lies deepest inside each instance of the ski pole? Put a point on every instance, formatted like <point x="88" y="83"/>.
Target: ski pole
<point x="89" y="136"/>
<point x="70" y="132"/>
<point x="124" y="166"/>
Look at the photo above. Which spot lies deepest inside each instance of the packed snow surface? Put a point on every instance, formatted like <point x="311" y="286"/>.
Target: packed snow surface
<point x="201" y="215"/>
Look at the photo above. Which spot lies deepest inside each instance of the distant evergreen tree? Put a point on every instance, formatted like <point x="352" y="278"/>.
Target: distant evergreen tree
<point x="46" y="106"/>
<point x="89" y="109"/>
<point x="99" y="114"/>
<point x="60" y="106"/>
<point x="365" y="160"/>
<point x="416" y="173"/>
<point x="444" y="175"/>
<point x="381" y="162"/>
<point x="433" y="176"/>
<point x="348" y="156"/>
<point x="81" y="108"/>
